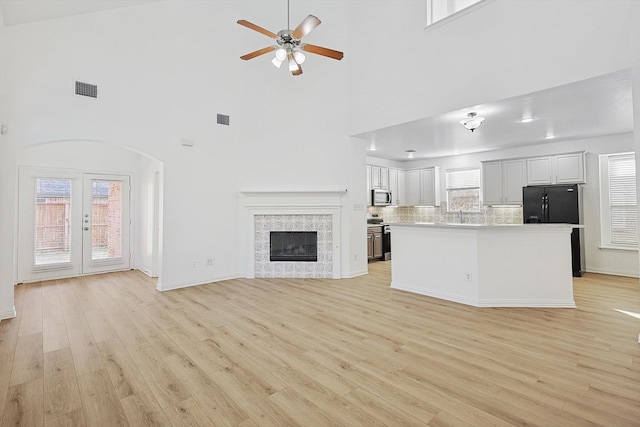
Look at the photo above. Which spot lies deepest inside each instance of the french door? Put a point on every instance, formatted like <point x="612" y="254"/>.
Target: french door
<point x="72" y="224"/>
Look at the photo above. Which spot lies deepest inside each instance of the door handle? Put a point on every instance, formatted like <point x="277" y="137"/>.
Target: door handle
<point x="86" y="229"/>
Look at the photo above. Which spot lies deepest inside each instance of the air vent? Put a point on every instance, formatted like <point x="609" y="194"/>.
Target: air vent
<point x="223" y="120"/>
<point x="86" y="89"/>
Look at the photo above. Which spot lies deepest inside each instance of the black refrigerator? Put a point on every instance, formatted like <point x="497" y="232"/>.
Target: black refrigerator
<point x="555" y="204"/>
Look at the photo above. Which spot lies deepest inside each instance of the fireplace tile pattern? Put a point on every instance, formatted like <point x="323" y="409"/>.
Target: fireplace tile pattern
<point x="323" y="268"/>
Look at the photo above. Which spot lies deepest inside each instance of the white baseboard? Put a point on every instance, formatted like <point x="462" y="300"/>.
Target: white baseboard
<point x="352" y="274"/>
<point x="195" y="282"/>
<point x="9" y="314"/>
<point x="613" y="273"/>
<point x="480" y="302"/>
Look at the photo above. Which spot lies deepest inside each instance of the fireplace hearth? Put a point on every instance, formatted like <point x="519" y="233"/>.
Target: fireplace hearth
<point x="293" y="246"/>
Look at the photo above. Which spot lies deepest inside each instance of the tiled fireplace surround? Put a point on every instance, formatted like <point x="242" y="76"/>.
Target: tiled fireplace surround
<point x="293" y="211"/>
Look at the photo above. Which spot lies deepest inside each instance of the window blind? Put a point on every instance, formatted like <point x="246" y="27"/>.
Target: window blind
<point x="459" y="179"/>
<point x="623" y="203"/>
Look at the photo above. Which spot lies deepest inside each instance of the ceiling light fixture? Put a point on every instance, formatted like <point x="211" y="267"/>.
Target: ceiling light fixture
<point x="410" y="153"/>
<point x="526" y="120"/>
<point x="472" y="122"/>
<point x="550" y="136"/>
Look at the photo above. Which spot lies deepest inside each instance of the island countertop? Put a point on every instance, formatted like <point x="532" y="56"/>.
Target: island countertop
<point x="519" y="265"/>
<point x="464" y="225"/>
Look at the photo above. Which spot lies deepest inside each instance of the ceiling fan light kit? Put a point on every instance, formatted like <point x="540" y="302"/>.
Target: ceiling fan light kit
<point x="289" y="44"/>
<point x="472" y="122"/>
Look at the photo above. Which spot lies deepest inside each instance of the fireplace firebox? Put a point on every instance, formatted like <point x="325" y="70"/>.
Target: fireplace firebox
<point x="293" y="246"/>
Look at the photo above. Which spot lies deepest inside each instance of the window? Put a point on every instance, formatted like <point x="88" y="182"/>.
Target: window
<point x="463" y="190"/>
<point x="437" y="10"/>
<point x="618" y="201"/>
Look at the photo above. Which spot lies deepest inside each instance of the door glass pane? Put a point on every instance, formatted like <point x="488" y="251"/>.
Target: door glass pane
<point x="53" y="221"/>
<point x="106" y="242"/>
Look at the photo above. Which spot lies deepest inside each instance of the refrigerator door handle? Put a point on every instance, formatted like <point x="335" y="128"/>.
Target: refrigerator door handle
<point x="545" y="211"/>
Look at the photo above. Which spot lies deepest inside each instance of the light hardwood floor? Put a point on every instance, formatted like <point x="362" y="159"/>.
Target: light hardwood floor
<point x="111" y="350"/>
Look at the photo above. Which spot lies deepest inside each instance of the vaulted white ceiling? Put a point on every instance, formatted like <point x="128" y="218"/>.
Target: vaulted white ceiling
<point x="594" y="107"/>
<point x="15" y="12"/>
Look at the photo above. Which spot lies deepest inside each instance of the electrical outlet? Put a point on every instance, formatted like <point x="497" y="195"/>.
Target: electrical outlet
<point x="194" y="264"/>
<point x="469" y="277"/>
<point x="209" y="262"/>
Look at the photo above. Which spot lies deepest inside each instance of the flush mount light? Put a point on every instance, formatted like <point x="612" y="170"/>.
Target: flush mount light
<point x="472" y="122"/>
<point x="410" y="153"/>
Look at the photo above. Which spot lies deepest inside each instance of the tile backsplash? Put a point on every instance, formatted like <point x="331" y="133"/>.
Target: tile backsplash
<point x="488" y="215"/>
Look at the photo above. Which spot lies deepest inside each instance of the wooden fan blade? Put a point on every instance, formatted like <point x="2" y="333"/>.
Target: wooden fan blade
<point x="254" y="27"/>
<point x="306" y="26"/>
<point x="258" y="52"/>
<point x="318" y="50"/>
<point x="298" y="71"/>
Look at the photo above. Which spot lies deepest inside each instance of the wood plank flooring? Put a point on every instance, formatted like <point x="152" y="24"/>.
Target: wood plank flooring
<point x="110" y="350"/>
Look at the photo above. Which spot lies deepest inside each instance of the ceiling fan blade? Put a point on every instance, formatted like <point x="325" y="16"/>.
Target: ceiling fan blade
<point x="298" y="71"/>
<point x="305" y="27"/>
<point x="257" y="28"/>
<point x="318" y="50"/>
<point x="258" y="52"/>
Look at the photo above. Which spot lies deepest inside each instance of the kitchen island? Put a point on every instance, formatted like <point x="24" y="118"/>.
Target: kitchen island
<point x="522" y="265"/>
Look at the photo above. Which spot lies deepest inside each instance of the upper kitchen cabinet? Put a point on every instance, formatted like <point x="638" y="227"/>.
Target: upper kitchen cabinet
<point x="423" y="187"/>
<point x="379" y="177"/>
<point x="559" y="169"/>
<point x="502" y="181"/>
<point x="397" y="186"/>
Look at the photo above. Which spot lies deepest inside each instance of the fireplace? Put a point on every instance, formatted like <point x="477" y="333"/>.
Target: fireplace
<point x="295" y="219"/>
<point x="293" y="246"/>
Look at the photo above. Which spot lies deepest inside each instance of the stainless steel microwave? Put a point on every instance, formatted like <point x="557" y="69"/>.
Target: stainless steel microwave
<point x="381" y="197"/>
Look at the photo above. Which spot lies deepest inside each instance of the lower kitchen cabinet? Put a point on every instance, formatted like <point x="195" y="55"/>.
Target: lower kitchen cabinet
<point x="374" y="243"/>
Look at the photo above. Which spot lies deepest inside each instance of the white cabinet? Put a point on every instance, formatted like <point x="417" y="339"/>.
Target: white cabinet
<point x="423" y="187"/>
<point x="502" y="182"/>
<point x="492" y="183"/>
<point x="514" y="177"/>
<point x="397" y="187"/>
<point x="539" y="170"/>
<point x="379" y="177"/>
<point x="570" y="168"/>
<point x="559" y="169"/>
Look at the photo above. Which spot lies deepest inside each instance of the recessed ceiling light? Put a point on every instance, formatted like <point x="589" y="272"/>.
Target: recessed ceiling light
<point x="550" y="136"/>
<point x="526" y="119"/>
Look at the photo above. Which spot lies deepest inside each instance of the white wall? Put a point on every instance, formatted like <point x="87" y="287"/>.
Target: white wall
<point x="401" y="72"/>
<point x="164" y="71"/>
<point x="626" y="263"/>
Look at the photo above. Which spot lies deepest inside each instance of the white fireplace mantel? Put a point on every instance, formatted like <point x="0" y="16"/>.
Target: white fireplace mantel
<point x="293" y="198"/>
<point x="312" y="202"/>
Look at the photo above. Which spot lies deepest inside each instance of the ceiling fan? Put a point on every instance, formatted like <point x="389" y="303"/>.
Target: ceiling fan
<point x="289" y="46"/>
